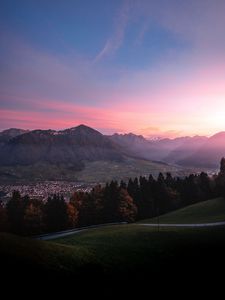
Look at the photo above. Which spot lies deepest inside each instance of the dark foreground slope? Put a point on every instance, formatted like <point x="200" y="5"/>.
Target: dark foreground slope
<point x="128" y="256"/>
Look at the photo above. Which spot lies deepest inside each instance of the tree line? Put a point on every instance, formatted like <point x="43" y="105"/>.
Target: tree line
<point x="138" y="199"/>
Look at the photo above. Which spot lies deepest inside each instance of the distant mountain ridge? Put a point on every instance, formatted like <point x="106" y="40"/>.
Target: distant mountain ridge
<point x="209" y="153"/>
<point x="72" y="146"/>
<point x="82" y="143"/>
<point x="167" y="150"/>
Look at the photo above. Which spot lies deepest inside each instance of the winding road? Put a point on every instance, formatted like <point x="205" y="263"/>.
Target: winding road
<point x="184" y="225"/>
<point x="55" y="235"/>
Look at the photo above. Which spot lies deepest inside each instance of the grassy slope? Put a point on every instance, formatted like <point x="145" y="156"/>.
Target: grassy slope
<point x="47" y="256"/>
<point x="208" y="211"/>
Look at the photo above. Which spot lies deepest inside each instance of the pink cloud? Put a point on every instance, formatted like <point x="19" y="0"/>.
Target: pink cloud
<point x="181" y="105"/>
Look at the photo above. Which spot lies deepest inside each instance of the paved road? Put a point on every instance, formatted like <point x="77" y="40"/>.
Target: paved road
<point x="184" y="225"/>
<point x="55" y="235"/>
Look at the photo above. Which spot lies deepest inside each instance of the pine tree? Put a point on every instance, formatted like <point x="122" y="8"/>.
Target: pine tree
<point x="4" y="224"/>
<point x="16" y="207"/>
<point x="56" y="217"/>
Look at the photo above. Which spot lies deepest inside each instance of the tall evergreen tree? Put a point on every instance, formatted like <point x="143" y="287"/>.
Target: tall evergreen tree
<point x="56" y="217"/>
<point x="4" y="224"/>
<point x="16" y="207"/>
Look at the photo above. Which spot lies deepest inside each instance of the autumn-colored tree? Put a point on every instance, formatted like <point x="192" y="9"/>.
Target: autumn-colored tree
<point x="127" y="210"/>
<point x="118" y="205"/>
<point x="72" y="213"/>
<point x="77" y="199"/>
<point x="33" y="218"/>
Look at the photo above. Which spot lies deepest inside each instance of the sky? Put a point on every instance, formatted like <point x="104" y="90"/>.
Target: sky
<point x="152" y="67"/>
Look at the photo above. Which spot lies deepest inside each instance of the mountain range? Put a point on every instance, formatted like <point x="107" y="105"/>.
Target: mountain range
<point x="197" y="151"/>
<point x="73" y="146"/>
<point x="77" y="145"/>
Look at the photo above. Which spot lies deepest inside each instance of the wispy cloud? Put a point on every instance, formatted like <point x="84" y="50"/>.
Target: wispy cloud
<point x="120" y="25"/>
<point x="144" y="28"/>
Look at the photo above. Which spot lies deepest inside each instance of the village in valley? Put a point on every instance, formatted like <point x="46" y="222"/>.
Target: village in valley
<point x="42" y="190"/>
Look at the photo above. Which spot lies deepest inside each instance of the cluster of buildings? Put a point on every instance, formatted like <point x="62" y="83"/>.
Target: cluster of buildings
<point x="42" y="190"/>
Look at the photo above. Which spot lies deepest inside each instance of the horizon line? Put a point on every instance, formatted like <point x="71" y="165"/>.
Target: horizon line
<point x="146" y="136"/>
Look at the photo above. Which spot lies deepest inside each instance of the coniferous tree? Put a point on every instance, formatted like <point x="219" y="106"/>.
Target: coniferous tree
<point x="4" y="224"/>
<point x="16" y="207"/>
<point x="220" y="180"/>
<point x="56" y="217"/>
<point x="145" y="205"/>
<point x="205" y="186"/>
<point x="110" y="204"/>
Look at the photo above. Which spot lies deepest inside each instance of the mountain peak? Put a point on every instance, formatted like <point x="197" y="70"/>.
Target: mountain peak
<point x="73" y="146"/>
<point x="80" y="129"/>
<point x="83" y="126"/>
<point x="12" y="132"/>
<point x="129" y="135"/>
<point x="218" y="135"/>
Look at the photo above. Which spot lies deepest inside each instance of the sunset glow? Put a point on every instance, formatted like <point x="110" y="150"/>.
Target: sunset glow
<point x="118" y="66"/>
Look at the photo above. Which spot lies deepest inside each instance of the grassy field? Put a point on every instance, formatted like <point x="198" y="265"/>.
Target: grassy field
<point x="205" y="212"/>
